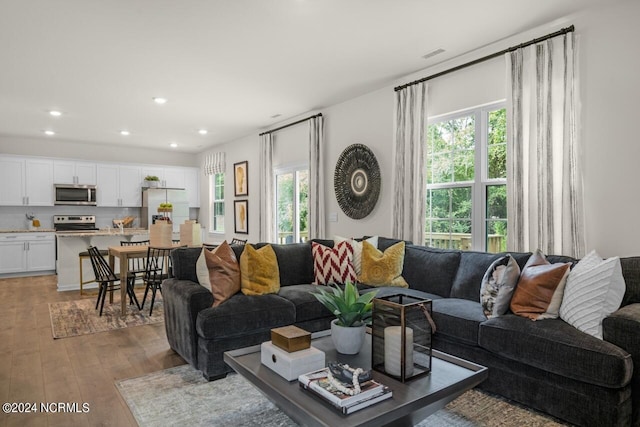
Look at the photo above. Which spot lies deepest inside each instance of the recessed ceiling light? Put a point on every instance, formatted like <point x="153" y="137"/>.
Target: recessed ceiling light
<point x="159" y="100"/>
<point x="173" y="145"/>
<point x="49" y="132"/>
<point x="125" y="133"/>
<point x="55" y="113"/>
<point x="203" y="131"/>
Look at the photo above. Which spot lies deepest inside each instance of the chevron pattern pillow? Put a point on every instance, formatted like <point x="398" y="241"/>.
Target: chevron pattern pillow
<point x="333" y="265"/>
<point x="595" y="288"/>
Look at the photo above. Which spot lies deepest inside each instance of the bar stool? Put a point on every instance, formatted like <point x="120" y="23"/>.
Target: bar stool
<point x="85" y="255"/>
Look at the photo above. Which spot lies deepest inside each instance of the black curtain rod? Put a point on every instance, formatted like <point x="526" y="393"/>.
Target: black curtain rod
<point x="491" y="56"/>
<point x="291" y="124"/>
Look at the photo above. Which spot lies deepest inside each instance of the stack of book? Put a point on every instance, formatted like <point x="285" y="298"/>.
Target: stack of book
<point x="318" y="384"/>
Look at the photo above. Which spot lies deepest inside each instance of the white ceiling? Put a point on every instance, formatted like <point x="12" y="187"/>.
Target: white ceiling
<point x="224" y="65"/>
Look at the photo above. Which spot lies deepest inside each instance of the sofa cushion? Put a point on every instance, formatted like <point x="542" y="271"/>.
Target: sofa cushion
<point x="295" y="263"/>
<point x="473" y="265"/>
<point x="259" y="271"/>
<point x="555" y="346"/>
<point x="458" y="319"/>
<point x="631" y="273"/>
<point x="539" y="292"/>
<point x="498" y="285"/>
<point x="324" y="242"/>
<point x="307" y="306"/>
<point x="594" y="290"/>
<point x="357" y="249"/>
<point x="430" y="270"/>
<point x="385" y="243"/>
<point x="333" y="265"/>
<point x="245" y="314"/>
<point x="224" y="272"/>
<point x="383" y="268"/>
<point x="183" y="263"/>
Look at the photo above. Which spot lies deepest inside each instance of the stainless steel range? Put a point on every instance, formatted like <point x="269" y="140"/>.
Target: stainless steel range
<point x="74" y="223"/>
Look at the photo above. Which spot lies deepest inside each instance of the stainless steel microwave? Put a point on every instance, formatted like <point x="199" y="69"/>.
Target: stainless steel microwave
<point x="75" y="194"/>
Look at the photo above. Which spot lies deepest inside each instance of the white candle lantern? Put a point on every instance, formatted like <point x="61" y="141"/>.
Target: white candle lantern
<point x="401" y="331"/>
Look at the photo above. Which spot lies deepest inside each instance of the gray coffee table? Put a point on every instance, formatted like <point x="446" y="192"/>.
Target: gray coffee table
<point x="412" y="401"/>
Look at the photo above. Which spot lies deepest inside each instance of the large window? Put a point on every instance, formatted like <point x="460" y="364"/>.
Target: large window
<point x="466" y="180"/>
<point x="216" y="184"/>
<point x="292" y="204"/>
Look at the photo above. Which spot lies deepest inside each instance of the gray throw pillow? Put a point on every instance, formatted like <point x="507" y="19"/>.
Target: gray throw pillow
<point x="498" y="285"/>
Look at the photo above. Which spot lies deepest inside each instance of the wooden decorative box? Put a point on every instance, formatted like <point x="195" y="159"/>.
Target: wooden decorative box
<point x="291" y="338"/>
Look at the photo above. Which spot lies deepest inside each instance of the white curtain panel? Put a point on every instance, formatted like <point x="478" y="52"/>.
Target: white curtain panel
<point x="267" y="196"/>
<point x="544" y="199"/>
<point x="316" y="183"/>
<point x="408" y="210"/>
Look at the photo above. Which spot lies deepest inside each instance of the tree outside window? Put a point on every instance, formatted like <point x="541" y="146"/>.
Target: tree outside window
<point x="216" y="184"/>
<point x="466" y="180"/>
<point x="292" y="205"/>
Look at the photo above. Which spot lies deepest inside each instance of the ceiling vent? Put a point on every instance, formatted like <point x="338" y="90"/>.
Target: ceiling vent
<point x="433" y="53"/>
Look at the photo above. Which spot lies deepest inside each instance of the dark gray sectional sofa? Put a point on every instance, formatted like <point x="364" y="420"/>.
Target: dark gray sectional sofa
<point x="547" y="365"/>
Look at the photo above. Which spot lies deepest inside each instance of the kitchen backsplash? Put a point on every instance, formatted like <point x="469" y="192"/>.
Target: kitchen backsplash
<point x="13" y="217"/>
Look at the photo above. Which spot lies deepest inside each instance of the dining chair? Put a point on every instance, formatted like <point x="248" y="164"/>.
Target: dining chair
<point x="106" y="279"/>
<point x="157" y="269"/>
<point x="136" y="267"/>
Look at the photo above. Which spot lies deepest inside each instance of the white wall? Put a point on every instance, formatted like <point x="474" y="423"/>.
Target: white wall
<point x="48" y="147"/>
<point x="239" y="150"/>
<point x="608" y="65"/>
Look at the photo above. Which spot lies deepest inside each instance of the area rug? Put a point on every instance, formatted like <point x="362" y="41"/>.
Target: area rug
<point x="73" y="318"/>
<point x="181" y="396"/>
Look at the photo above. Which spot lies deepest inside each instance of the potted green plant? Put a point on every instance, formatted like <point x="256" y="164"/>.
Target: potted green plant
<point x="353" y="313"/>
<point x="151" y="180"/>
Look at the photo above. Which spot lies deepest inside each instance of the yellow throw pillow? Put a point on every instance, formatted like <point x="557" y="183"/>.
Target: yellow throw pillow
<point x="259" y="272"/>
<point x="382" y="269"/>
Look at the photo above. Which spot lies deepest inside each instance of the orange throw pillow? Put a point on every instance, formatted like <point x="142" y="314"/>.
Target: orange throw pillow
<point x="224" y="272"/>
<point x="539" y="292"/>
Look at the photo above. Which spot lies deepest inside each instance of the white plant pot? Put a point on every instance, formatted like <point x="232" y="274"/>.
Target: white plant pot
<point x="347" y="340"/>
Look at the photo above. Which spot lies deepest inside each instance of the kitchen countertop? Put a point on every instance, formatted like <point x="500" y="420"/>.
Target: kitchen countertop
<point x="104" y="232"/>
<point x="35" y="230"/>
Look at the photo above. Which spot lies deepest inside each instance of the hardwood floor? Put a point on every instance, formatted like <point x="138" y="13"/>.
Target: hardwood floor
<point x="35" y="368"/>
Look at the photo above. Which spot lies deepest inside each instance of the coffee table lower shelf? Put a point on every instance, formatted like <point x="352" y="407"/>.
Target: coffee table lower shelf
<point x="412" y="401"/>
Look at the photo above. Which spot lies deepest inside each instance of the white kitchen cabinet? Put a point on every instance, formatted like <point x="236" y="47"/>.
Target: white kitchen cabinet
<point x="174" y="177"/>
<point x="130" y="186"/>
<point x="71" y="172"/>
<point x="192" y="185"/>
<point x="26" y="181"/>
<point x="119" y="185"/>
<point x="27" y="252"/>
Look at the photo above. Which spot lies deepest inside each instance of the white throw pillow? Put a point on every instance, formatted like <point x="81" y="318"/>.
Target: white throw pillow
<point x="357" y="250"/>
<point x="202" y="272"/>
<point x="594" y="289"/>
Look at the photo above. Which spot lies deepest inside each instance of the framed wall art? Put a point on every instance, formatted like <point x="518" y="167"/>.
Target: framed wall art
<point x="241" y="216"/>
<point x="241" y="178"/>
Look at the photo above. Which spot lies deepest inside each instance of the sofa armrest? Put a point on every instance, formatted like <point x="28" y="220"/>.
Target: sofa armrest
<point x="183" y="300"/>
<point x="622" y="328"/>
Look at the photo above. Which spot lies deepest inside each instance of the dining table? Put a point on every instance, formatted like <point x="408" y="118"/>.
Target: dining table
<point x="124" y="254"/>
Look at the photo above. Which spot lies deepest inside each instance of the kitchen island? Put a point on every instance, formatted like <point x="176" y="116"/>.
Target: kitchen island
<point x="70" y="244"/>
